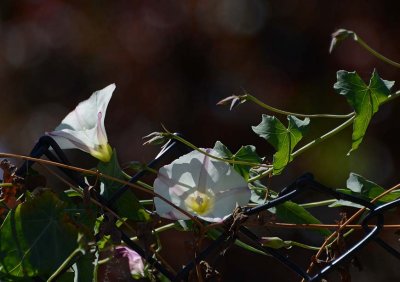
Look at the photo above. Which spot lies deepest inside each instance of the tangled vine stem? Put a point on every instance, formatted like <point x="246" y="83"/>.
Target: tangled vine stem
<point x="99" y="174"/>
<point x="347" y="222"/>
<point x="192" y="146"/>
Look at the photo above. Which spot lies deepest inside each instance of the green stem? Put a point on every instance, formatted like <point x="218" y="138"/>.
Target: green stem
<point x="373" y="52"/>
<point x="323" y="137"/>
<point x="304" y="246"/>
<point x="152" y="170"/>
<point x="159" y="229"/>
<point x="190" y="145"/>
<point x="141" y="183"/>
<point x="391" y="97"/>
<point x="261" y="175"/>
<point x="64" y="265"/>
<point x="145" y="185"/>
<point x="253" y="99"/>
<point x="309" y="145"/>
<point x="6" y="185"/>
<point x="318" y="204"/>
<point x="146" y="202"/>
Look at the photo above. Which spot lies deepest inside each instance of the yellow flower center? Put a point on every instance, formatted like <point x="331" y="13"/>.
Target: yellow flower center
<point x="199" y="203"/>
<point x="103" y="152"/>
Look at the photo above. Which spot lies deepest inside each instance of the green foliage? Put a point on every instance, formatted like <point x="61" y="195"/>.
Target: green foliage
<point x="281" y="138"/>
<point x="368" y="190"/>
<point x="37" y="237"/>
<point x="365" y="99"/>
<point x="245" y="153"/>
<point x="127" y="205"/>
<point x="291" y="212"/>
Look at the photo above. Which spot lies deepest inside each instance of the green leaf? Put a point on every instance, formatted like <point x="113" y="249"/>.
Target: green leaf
<point x="127" y="205"/>
<point x="222" y="150"/>
<point x="245" y="153"/>
<point x="259" y="192"/>
<point x="291" y="212"/>
<point x="37" y="237"/>
<point x="368" y="190"/>
<point x="281" y="138"/>
<point x="365" y="99"/>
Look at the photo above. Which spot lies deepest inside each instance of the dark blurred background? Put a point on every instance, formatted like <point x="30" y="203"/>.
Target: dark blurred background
<point x="172" y="61"/>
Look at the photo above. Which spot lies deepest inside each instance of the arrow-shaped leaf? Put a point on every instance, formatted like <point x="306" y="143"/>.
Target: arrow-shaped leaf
<point x="365" y="99"/>
<point x="281" y="138"/>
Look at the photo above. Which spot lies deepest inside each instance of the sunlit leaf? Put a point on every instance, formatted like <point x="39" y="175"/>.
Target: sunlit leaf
<point x="281" y="138"/>
<point x="365" y="99"/>
<point x="222" y="150"/>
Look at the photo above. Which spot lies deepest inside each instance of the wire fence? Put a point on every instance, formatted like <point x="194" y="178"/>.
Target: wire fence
<point x="372" y="221"/>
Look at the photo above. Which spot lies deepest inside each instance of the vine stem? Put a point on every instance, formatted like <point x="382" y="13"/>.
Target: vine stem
<point x="341" y="227"/>
<point x="253" y="99"/>
<point x="64" y="264"/>
<point x="360" y="41"/>
<point x="159" y="230"/>
<point x="304" y="246"/>
<point x="309" y="145"/>
<point x="192" y="146"/>
<point x="318" y="204"/>
<point x="319" y="226"/>
<point x="323" y="137"/>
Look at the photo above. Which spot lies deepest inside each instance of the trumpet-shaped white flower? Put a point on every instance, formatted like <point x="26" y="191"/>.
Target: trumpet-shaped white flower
<point x="83" y="128"/>
<point x="202" y="186"/>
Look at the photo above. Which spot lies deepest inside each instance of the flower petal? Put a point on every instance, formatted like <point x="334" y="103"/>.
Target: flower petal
<point x="83" y="128"/>
<point x="226" y="202"/>
<point x="202" y="186"/>
<point x="86" y="113"/>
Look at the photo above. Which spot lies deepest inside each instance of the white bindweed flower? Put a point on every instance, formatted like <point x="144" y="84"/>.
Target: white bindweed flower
<point x="83" y="128"/>
<point x="202" y="186"/>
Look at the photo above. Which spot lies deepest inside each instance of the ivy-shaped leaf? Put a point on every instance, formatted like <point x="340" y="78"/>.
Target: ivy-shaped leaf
<point x="127" y="205"/>
<point x="281" y="138"/>
<point x="37" y="237"/>
<point x="222" y="150"/>
<point x="245" y="153"/>
<point x="365" y="99"/>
